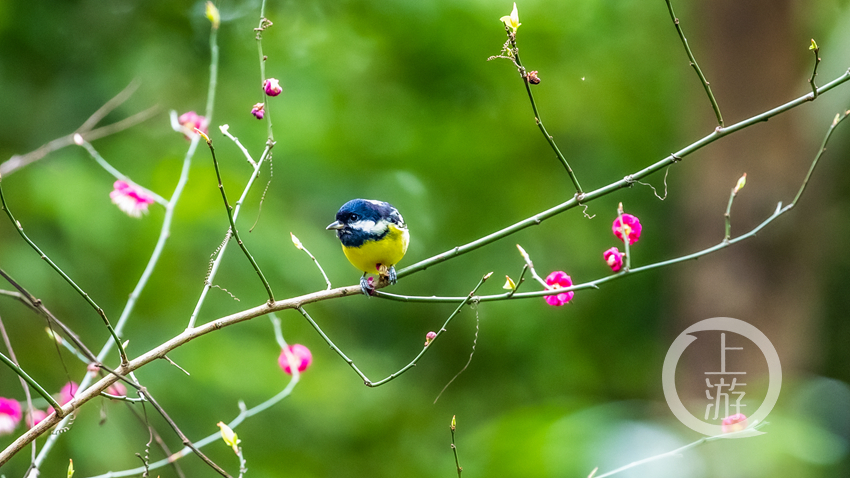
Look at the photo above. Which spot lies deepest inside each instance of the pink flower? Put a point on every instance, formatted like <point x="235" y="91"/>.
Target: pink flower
<point x="631" y="226"/>
<point x="302" y="356"/>
<point x="10" y="415"/>
<point x="192" y="120"/>
<point x="557" y="280"/>
<point x="37" y="417"/>
<point x="68" y="392"/>
<point x="614" y="258"/>
<point x="734" y="423"/>
<point x="117" y="389"/>
<point x="429" y="337"/>
<point x="258" y="110"/>
<point x="130" y="198"/>
<point x="272" y="87"/>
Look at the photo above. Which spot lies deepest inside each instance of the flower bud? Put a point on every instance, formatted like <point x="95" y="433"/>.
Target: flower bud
<point x="258" y="110"/>
<point x="734" y="423"/>
<point x="429" y="337"/>
<point x="301" y="356"/>
<point x="272" y="87"/>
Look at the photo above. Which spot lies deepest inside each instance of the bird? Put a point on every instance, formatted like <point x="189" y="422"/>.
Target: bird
<point x="374" y="237"/>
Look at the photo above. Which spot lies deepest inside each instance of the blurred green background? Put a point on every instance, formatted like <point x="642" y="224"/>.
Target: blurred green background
<point x="394" y="100"/>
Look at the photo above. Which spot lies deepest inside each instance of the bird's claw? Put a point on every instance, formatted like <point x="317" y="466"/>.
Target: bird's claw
<point x="366" y="286"/>
<point x="392" y="275"/>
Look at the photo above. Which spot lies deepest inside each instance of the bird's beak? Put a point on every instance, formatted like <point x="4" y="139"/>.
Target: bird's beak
<point x="336" y="225"/>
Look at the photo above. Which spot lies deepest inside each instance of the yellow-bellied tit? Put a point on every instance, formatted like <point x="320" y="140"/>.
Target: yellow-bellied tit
<point x="374" y="238"/>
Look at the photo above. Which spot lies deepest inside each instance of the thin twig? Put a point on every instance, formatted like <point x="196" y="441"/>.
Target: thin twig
<point x="300" y="246"/>
<point x="370" y="383"/>
<point x="17" y="162"/>
<point x="27" y="394"/>
<point x="233" y="229"/>
<point x="694" y="64"/>
<point x="118" y="174"/>
<point x="814" y="47"/>
<point x="617" y="185"/>
<point x="220" y="253"/>
<point x="65" y="276"/>
<point x="454" y="446"/>
<point x="680" y="450"/>
<point x="183" y="437"/>
<point x="514" y="52"/>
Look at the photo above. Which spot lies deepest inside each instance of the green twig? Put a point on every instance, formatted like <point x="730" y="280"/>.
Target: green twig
<point x="263" y="25"/>
<point x="229" y="210"/>
<point x="617" y="185"/>
<point x="38" y="388"/>
<point x="780" y="210"/>
<point x="695" y="65"/>
<point x="814" y="47"/>
<point x="65" y="276"/>
<point x="217" y="262"/>
<point x="454" y="446"/>
<point x="514" y="51"/>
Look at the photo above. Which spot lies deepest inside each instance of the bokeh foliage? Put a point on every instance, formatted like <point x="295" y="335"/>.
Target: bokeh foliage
<point x="394" y="100"/>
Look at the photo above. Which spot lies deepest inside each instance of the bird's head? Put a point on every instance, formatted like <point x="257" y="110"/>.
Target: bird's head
<point x="365" y="219"/>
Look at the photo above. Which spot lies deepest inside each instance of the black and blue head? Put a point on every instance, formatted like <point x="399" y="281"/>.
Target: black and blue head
<point x="361" y="220"/>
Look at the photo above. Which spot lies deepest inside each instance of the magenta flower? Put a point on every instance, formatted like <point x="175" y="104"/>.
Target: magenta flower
<point x="259" y="110"/>
<point x="130" y="198"/>
<point x="630" y="226"/>
<point x="68" y="392"/>
<point x="302" y="356"/>
<point x="192" y="120"/>
<point x="37" y="417"/>
<point x="272" y="87"/>
<point x="614" y="258"/>
<point x="557" y="280"/>
<point x="10" y="415"/>
<point x="734" y="423"/>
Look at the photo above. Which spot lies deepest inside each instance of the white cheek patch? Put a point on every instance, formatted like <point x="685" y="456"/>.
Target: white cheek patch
<point x="371" y="227"/>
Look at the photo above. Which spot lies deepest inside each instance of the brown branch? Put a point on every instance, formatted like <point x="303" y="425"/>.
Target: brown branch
<point x="19" y="161"/>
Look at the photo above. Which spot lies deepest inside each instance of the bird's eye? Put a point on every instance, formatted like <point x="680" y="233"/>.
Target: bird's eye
<point x="355" y="218"/>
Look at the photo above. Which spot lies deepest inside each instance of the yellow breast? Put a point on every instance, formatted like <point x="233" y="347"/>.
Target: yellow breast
<point x="386" y="251"/>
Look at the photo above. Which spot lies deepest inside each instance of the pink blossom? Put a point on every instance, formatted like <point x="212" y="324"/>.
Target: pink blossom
<point x="734" y="423"/>
<point x="614" y="258"/>
<point x="117" y="389"/>
<point x="192" y="120"/>
<point x="130" y="198"/>
<point x="557" y="280"/>
<point x="10" y="415"/>
<point x="300" y="354"/>
<point x="68" y="392"/>
<point x="37" y="417"/>
<point x="429" y="337"/>
<point x="631" y="226"/>
<point x="259" y="110"/>
<point x="272" y="87"/>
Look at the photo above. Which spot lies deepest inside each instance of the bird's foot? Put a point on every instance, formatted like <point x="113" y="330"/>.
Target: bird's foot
<point x="366" y="286"/>
<point x="387" y="274"/>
